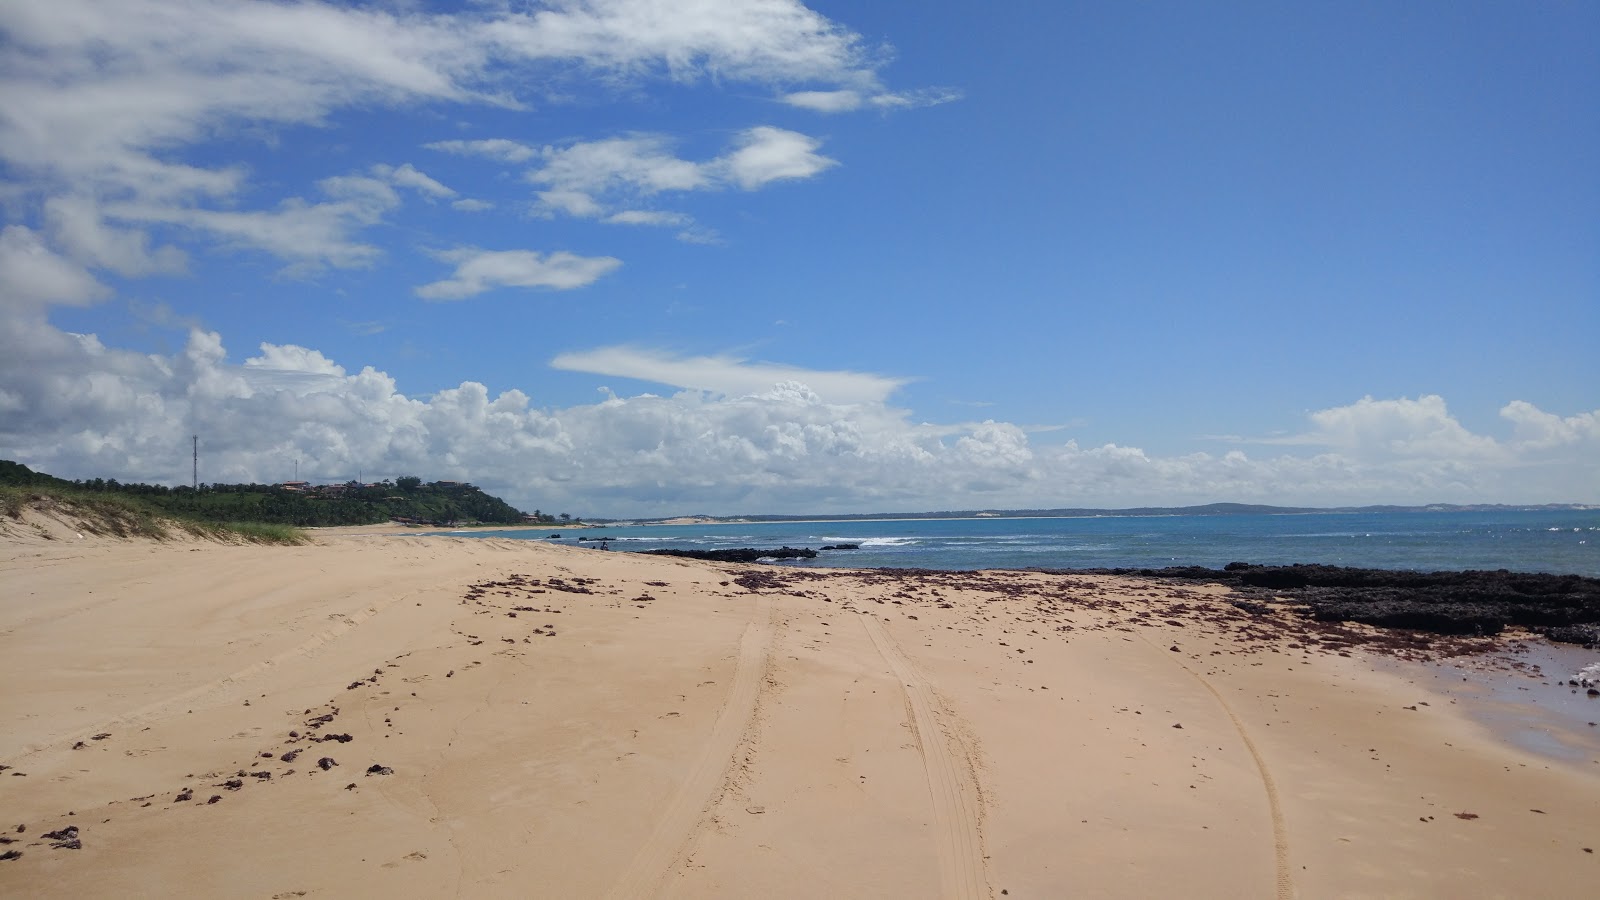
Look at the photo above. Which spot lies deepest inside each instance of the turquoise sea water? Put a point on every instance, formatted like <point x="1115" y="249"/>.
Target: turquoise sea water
<point x="1560" y="542"/>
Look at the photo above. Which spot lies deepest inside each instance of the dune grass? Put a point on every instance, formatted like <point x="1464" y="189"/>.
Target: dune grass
<point x="112" y="515"/>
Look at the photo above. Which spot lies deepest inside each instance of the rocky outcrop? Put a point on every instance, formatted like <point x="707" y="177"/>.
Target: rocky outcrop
<point x="1562" y="607"/>
<point x="743" y="554"/>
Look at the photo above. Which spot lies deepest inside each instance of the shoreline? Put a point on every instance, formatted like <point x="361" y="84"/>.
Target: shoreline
<point x="550" y="718"/>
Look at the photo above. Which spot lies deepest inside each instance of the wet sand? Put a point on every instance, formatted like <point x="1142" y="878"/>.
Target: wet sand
<point x="398" y="715"/>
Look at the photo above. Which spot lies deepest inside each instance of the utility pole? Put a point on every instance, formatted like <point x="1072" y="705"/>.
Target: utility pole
<point x="197" y="462"/>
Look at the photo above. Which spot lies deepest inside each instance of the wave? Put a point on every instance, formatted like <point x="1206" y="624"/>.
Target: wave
<point x="878" y="541"/>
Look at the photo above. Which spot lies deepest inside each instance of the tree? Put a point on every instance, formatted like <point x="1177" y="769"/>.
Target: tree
<point x="565" y="517"/>
<point x="408" y="483"/>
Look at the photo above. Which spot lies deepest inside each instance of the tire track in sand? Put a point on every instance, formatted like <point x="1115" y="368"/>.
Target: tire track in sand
<point x="953" y="790"/>
<point x="1280" y="831"/>
<point x="678" y="823"/>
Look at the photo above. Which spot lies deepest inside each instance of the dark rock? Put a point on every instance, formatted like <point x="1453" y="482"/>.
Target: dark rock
<point x="341" y="738"/>
<point x="741" y="555"/>
<point x="377" y="769"/>
<point x="326" y="763"/>
<point x="184" y="796"/>
<point x="842" y="547"/>
<point x="290" y="756"/>
<point x="11" y="854"/>
<point x="1564" y="607"/>
<point x="1587" y="635"/>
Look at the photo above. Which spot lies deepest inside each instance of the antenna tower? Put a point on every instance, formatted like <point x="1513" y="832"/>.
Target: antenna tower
<point x="197" y="462"/>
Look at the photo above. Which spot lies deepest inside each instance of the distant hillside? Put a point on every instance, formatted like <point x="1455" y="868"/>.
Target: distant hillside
<point x="1209" y="509"/>
<point x="299" y="504"/>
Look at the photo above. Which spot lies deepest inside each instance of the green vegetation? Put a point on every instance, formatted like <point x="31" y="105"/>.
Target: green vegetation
<point x="114" y="515"/>
<point x="407" y="499"/>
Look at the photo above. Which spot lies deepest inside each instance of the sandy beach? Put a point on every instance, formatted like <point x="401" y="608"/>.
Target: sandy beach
<point x="406" y="716"/>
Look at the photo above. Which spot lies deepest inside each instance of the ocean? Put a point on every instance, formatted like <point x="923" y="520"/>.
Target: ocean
<point x="1556" y="541"/>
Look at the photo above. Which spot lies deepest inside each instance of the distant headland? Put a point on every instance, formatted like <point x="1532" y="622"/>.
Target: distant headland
<point x="1209" y="509"/>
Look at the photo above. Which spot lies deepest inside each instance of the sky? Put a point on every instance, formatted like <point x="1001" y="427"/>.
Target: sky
<point x="626" y="258"/>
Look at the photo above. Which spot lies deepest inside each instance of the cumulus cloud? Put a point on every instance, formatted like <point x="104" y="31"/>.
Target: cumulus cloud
<point x="482" y="270"/>
<point x="729" y="443"/>
<point x="1404" y="427"/>
<point x="768" y="154"/>
<point x="1539" y="430"/>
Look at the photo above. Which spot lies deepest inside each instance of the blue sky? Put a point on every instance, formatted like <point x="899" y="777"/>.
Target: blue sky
<point x="632" y="257"/>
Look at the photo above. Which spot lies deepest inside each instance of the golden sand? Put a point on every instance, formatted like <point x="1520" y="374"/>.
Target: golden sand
<point x="512" y="719"/>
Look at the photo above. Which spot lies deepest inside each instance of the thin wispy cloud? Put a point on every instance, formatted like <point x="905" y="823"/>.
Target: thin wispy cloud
<point x="727" y="375"/>
<point x="478" y="271"/>
<point x="592" y="179"/>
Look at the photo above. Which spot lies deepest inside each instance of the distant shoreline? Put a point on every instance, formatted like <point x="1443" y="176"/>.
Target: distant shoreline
<point x="1215" y="509"/>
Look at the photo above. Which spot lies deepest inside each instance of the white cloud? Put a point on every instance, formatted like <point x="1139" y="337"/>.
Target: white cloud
<point x="727" y="375"/>
<point x="78" y="225"/>
<point x="104" y="99"/>
<point x="633" y="167"/>
<point x="573" y="203"/>
<point x="768" y="154"/>
<point x="77" y="408"/>
<point x="1404" y="427"/>
<point x="825" y="101"/>
<point x="493" y="148"/>
<point x="647" y="217"/>
<point x="846" y="100"/>
<point x="471" y="205"/>
<point x="482" y="270"/>
<point x="913" y="99"/>
<point x="747" y="40"/>
<point x="307" y="235"/>
<point x="410" y="177"/>
<point x="1539" y="430"/>
<point x="33" y="275"/>
<point x="589" y="179"/>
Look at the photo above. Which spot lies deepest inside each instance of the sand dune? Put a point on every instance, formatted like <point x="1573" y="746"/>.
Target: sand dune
<point x="499" y="718"/>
